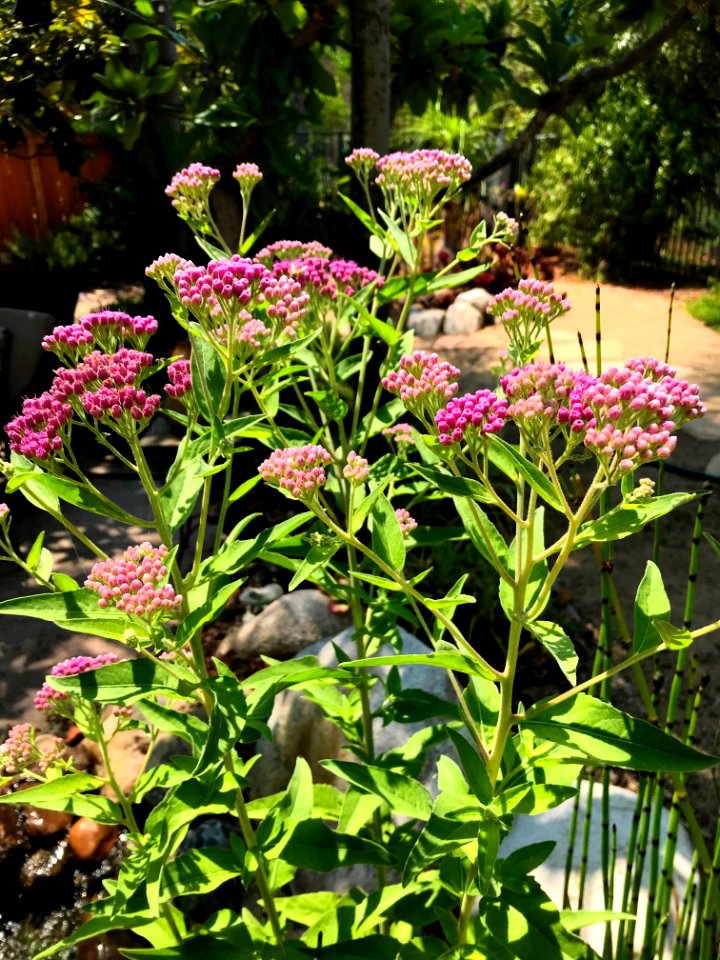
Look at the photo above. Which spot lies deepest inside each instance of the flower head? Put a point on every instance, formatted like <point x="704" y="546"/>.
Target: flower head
<point x="298" y="470"/>
<point x="546" y="393"/>
<point x="328" y="277"/>
<point x="292" y="250"/>
<point x="38" y="431"/>
<point x="407" y="523"/>
<point x="413" y="180"/>
<point x="424" y="382"/>
<point x="136" y="582"/>
<point x="362" y="160"/>
<point x="180" y="378"/>
<point x="356" y="470"/>
<point x="534" y="302"/>
<point x="400" y="434"/>
<point x="248" y="175"/>
<point x="190" y="190"/>
<point x="473" y="416"/>
<point x="21" y="750"/>
<point x="47" y="696"/>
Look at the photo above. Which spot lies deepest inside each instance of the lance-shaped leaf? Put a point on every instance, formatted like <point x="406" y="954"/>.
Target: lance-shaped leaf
<point x="75" y="610"/>
<point x="404" y="795"/>
<point x="627" y="518"/>
<point x="603" y="734"/>
<point x="651" y="605"/>
<point x="387" y="539"/>
<point x="512" y="463"/>
<point x="123" y="682"/>
<point x="455" y="486"/>
<point x="558" y="643"/>
<point x="67" y="794"/>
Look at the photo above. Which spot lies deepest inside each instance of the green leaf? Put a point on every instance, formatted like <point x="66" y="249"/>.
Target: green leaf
<point x="318" y="557"/>
<point x="372" y="424"/>
<point x="605" y="735"/>
<point x="364" y="506"/>
<point x="577" y="919"/>
<point x="475" y="520"/>
<point x="123" y="682"/>
<point x="237" y="554"/>
<point x="445" y="658"/>
<point x="449" y="280"/>
<point x="651" y="604"/>
<point x="178" y="497"/>
<point x="473" y="767"/>
<point x="75" y="610"/>
<point x="531" y="798"/>
<point x="94" y="927"/>
<point x="403" y="795"/>
<point x="674" y="638"/>
<point x="206" y="612"/>
<point x="387" y="539"/>
<point x="524" y="860"/>
<point x="184" y="725"/>
<point x="511" y="462"/>
<point x="73" y="492"/>
<point x="455" y="486"/>
<point x="442" y="834"/>
<point x="364" y="217"/>
<point x="314" y="846"/>
<point x="400" y="240"/>
<point x="558" y="643"/>
<point x="199" y="871"/>
<point x="627" y="518"/>
<point x="528" y="924"/>
<point x="66" y="794"/>
<point x="208" y="378"/>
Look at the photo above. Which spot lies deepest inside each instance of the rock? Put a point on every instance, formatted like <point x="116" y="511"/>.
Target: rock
<point x="468" y="313"/>
<point x="299" y="729"/>
<point x="462" y="318"/>
<point x="44" y="863"/>
<point x="285" y="626"/>
<point x="90" y="840"/>
<point x="478" y="297"/>
<point x="45" y="823"/>
<point x="261" y="596"/>
<point x="427" y="322"/>
<point x="555" y="825"/>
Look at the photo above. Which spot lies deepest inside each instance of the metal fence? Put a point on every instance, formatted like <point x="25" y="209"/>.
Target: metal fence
<point x="691" y="247"/>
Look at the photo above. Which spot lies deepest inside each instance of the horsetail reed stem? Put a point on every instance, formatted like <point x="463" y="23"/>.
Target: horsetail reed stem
<point x="632" y="846"/>
<point x="585" y="842"/>
<point x="638" y="865"/>
<point x="598" y="332"/>
<point x="707" y="924"/>
<point x="583" y="355"/>
<point x="571" y="840"/>
<point x="685" y="915"/>
<point x="669" y="323"/>
<point x="608" y="941"/>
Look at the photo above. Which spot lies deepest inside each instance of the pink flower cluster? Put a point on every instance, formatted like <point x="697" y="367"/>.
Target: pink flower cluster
<point x="165" y="267"/>
<point x="292" y="250"/>
<point x="329" y="276"/>
<point x="180" y="378"/>
<point x="47" y="696"/>
<point x="407" y="523"/>
<point x="4" y="511"/>
<point x="38" y="431"/>
<point x="532" y="298"/>
<point x="633" y="416"/>
<point x="114" y="401"/>
<point x="244" y="283"/>
<point x="19" y="749"/>
<point x="400" y="434"/>
<point x="423" y="382"/>
<point x="421" y="174"/>
<point x="362" y="160"/>
<point x="135" y="582"/>
<point x="248" y="175"/>
<point x="298" y="470"/>
<point x="547" y="392"/>
<point x="120" y="369"/>
<point x="483" y="411"/>
<point x="356" y="470"/>
<point x="191" y="188"/>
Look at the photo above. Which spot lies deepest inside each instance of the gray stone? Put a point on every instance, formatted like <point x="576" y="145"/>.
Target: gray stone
<point x="300" y="730"/>
<point x="555" y="825"/>
<point x="462" y="318"/>
<point x="261" y="596"/>
<point x="427" y="322"/>
<point x="285" y="626"/>
<point x="479" y="298"/>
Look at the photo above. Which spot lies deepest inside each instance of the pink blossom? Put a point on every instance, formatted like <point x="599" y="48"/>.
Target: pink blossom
<point x="327" y="277"/>
<point x="190" y="190"/>
<point x="423" y="382"/>
<point x="407" y="523"/>
<point x="356" y="470"/>
<point x="401" y="434"/>
<point x="47" y="696"/>
<point x="112" y="402"/>
<point x="180" y="378"/>
<point x="421" y="174"/>
<point x="135" y="582"/>
<point x="292" y="250"/>
<point x="39" y="430"/>
<point x="19" y="750"/>
<point x="362" y="160"/>
<point x="97" y="370"/>
<point x="534" y="302"/>
<point x="482" y="411"/>
<point x="298" y="470"/>
<point x="248" y="175"/>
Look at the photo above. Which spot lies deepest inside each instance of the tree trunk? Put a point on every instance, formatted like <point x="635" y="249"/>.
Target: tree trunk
<point x="370" y="29"/>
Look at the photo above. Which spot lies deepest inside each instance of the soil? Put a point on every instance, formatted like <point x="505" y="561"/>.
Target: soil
<point x="29" y="648"/>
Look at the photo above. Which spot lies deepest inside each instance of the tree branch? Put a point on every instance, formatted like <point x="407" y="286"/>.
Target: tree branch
<point x="558" y="98"/>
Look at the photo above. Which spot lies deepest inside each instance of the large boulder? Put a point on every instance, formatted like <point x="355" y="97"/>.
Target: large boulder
<point x="467" y="314"/>
<point x="426" y="322"/>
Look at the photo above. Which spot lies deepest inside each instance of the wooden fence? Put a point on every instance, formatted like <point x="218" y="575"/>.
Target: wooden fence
<point x="36" y="196"/>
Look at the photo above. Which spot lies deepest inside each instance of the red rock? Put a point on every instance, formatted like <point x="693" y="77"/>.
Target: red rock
<point x="92" y="841"/>
<point x="45" y="823"/>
